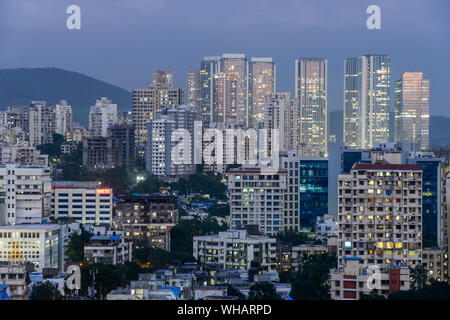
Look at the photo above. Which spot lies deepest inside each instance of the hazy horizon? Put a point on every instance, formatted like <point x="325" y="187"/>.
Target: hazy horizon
<point x="122" y="42"/>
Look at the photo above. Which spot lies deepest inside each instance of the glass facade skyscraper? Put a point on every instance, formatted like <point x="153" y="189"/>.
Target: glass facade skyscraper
<point x="208" y="68"/>
<point x="313" y="190"/>
<point x="431" y="200"/>
<point x="412" y="110"/>
<point x="366" y="100"/>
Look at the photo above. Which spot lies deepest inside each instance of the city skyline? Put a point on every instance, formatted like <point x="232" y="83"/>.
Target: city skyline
<point x="414" y="44"/>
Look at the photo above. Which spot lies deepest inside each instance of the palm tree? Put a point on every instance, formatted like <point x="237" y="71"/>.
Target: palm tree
<point x="419" y="276"/>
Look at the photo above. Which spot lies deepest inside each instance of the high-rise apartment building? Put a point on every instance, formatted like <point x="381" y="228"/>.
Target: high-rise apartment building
<point x="208" y="68"/>
<point x="380" y="215"/>
<point x="225" y="103"/>
<point x="261" y="86"/>
<point x="257" y="197"/>
<point x="41" y="123"/>
<point x="281" y="113"/>
<point x="123" y="144"/>
<point x="101" y="117"/>
<point x="193" y="91"/>
<point x="412" y="110"/>
<point x="290" y="162"/>
<point x="63" y="118"/>
<point x="366" y="100"/>
<point x="311" y="91"/>
<point x="238" y="65"/>
<point x="167" y="156"/>
<point x="146" y="102"/>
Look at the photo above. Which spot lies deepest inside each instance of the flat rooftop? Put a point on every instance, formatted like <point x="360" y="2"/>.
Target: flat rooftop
<point x="30" y="227"/>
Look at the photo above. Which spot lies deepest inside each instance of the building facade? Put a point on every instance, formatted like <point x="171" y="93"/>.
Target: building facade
<point x="380" y="215"/>
<point x="366" y="100"/>
<point x="235" y="249"/>
<point x="25" y="193"/>
<point x="147" y="218"/>
<point x="311" y="91"/>
<point x="257" y="198"/>
<point x="412" y="110"/>
<point x="85" y="202"/>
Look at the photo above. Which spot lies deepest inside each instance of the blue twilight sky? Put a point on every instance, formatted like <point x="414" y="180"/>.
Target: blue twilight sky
<point x="122" y="41"/>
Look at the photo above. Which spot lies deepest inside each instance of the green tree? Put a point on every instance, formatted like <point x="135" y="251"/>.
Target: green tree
<point x="232" y="292"/>
<point x="183" y="233"/>
<point x="45" y="291"/>
<point x="311" y="280"/>
<point x="436" y="290"/>
<point x="108" y="277"/>
<point x="419" y="276"/>
<point x="116" y="178"/>
<point x="219" y="211"/>
<point x="151" y="184"/>
<point x="155" y="258"/>
<point x="74" y="249"/>
<point x="263" y="291"/>
<point x="203" y="183"/>
<point x="293" y="238"/>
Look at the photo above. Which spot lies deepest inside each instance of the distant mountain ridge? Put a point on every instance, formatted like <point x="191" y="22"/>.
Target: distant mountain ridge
<point x="22" y="85"/>
<point x="439" y="129"/>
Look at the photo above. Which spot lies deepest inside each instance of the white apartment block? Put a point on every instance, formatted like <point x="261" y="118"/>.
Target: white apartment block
<point x="35" y="243"/>
<point x="26" y="192"/>
<point x="41" y="123"/>
<point x="281" y="112"/>
<point x="101" y="117"/>
<point x="22" y="154"/>
<point x="235" y="249"/>
<point x="170" y="152"/>
<point x="159" y="146"/>
<point x="85" y="202"/>
<point x="326" y="227"/>
<point x="380" y="215"/>
<point x="108" y="249"/>
<point x="63" y="118"/>
<point x="257" y="198"/>
<point x="290" y="163"/>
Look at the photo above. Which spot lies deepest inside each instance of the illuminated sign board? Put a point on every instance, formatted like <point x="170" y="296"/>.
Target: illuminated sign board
<point x="103" y="191"/>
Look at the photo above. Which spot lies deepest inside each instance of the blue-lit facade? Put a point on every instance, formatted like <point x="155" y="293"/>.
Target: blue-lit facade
<point x="350" y="157"/>
<point x="431" y="199"/>
<point x="313" y="190"/>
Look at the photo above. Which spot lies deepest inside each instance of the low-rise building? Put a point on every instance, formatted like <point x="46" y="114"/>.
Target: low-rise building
<point x="235" y="249"/>
<point x="433" y="261"/>
<point x="326" y="227"/>
<point x="26" y="192"/>
<point x="147" y="218"/>
<point x="86" y="202"/>
<point x="353" y="279"/>
<point x="201" y="292"/>
<point x="15" y="277"/>
<point x="290" y="257"/>
<point x="22" y="154"/>
<point x="35" y="243"/>
<point x="108" y="249"/>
